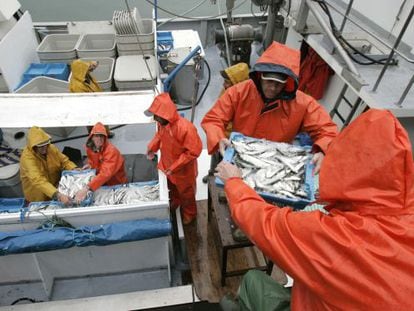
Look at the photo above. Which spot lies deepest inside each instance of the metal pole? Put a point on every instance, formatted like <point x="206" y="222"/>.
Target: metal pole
<point x="348" y="9"/>
<point x="404" y="94"/>
<point x="397" y="42"/>
<point x="337" y="45"/>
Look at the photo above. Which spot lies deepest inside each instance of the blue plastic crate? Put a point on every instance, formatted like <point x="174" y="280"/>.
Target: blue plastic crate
<point x="165" y="41"/>
<point x="295" y="203"/>
<point x="53" y="70"/>
<point x="11" y="205"/>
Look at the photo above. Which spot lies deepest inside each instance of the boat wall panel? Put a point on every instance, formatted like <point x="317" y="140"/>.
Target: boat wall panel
<point x="86" y="261"/>
<point x="18" y="51"/>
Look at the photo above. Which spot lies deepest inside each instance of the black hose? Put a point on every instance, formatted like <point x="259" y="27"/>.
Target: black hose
<point x="343" y="41"/>
<point x="25" y="299"/>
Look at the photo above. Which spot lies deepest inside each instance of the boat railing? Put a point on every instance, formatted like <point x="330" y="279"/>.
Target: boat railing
<point x="302" y="16"/>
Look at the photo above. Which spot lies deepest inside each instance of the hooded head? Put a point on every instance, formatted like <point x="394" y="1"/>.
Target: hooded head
<point x="80" y="69"/>
<point x="236" y="73"/>
<point x="281" y="60"/>
<point x="37" y="137"/>
<point x="369" y="167"/>
<point x="98" y="131"/>
<point x="164" y="107"/>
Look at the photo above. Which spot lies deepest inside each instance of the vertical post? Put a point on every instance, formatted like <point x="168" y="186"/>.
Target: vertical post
<point x="348" y="9"/>
<point x="397" y="42"/>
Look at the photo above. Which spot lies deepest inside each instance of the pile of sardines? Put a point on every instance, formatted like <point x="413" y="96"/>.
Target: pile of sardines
<point x="126" y="194"/>
<point x="276" y="168"/>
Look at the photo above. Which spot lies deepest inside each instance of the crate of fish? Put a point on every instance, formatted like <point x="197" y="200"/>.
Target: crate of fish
<point x="73" y="181"/>
<point x="131" y="193"/>
<point x="279" y="172"/>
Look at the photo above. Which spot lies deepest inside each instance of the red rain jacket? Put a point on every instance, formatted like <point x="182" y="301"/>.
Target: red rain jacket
<point x="280" y="120"/>
<point x="108" y="162"/>
<point x="361" y="255"/>
<point x="314" y="75"/>
<point x="179" y="142"/>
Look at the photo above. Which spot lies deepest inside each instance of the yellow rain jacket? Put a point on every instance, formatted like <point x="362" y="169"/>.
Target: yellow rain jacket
<point x="40" y="176"/>
<point x="361" y="255"/>
<point x="79" y="82"/>
<point x="237" y="73"/>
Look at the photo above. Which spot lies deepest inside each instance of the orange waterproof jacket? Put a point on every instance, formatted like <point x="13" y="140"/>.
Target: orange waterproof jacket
<point x="178" y="141"/>
<point x="280" y="120"/>
<point x="361" y="255"/>
<point x="108" y="162"/>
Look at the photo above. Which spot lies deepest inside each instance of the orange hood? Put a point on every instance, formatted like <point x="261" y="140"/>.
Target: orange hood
<point x="164" y="107"/>
<point x="369" y="167"/>
<point x="98" y="128"/>
<point x="279" y="58"/>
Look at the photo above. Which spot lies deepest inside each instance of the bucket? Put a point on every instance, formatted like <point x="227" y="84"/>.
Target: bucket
<point x="182" y="85"/>
<point x="10" y="185"/>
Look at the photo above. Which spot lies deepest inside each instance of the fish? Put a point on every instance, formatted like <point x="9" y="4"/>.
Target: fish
<point x="272" y="167"/>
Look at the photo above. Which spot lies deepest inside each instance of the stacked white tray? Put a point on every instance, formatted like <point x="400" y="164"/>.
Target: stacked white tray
<point x="96" y="45"/>
<point x="134" y="36"/>
<point x="131" y="72"/>
<point x="58" y="48"/>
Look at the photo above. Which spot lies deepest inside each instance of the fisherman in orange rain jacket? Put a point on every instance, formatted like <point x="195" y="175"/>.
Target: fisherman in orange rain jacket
<point x="106" y="159"/>
<point x="269" y="106"/>
<point x="360" y="256"/>
<point x="231" y="75"/>
<point x="180" y="146"/>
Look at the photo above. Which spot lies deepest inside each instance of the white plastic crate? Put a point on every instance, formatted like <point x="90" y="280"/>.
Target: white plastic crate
<point x="58" y="47"/>
<point x="103" y="73"/>
<point x="96" y="45"/>
<point x="44" y="85"/>
<point x="131" y="72"/>
<point x="147" y="26"/>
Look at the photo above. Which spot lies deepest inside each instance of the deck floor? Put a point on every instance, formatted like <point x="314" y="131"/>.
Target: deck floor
<point x="204" y="259"/>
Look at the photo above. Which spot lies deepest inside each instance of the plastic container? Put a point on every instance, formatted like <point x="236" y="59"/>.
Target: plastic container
<point x="180" y="86"/>
<point x="96" y="45"/>
<point x="11" y="205"/>
<point x="131" y="72"/>
<point x="58" y="47"/>
<point x="165" y="42"/>
<point x="10" y="183"/>
<point x="104" y="72"/>
<point x="44" y="85"/>
<point x="53" y="70"/>
<point x="299" y="203"/>
<point x="147" y="27"/>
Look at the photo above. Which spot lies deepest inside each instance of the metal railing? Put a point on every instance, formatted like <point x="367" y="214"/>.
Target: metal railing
<point x="393" y="48"/>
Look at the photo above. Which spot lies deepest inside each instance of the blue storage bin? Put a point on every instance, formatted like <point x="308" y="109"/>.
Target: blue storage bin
<point x="11" y="205"/>
<point x="53" y="70"/>
<point x="165" y="42"/>
<point x="299" y="203"/>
